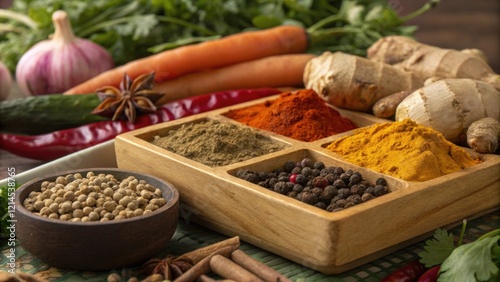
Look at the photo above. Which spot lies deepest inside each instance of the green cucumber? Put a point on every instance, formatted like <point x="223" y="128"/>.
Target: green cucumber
<point x="46" y="113"/>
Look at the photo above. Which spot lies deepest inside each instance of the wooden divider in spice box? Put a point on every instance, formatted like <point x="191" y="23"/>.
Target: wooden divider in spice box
<point x="328" y="241"/>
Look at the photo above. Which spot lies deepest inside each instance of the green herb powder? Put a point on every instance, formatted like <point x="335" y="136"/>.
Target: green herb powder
<point x="214" y="143"/>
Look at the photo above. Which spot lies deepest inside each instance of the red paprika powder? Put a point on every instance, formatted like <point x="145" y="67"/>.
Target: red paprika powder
<point x="302" y="115"/>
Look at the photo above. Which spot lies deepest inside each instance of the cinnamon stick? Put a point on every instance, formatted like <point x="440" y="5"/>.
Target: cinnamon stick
<point x="228" y="269"/>
<point x="256" y="267"/>
<point x="204" y="278"/>
<point x="203" y="266"/>
<point x="197" y="255"/>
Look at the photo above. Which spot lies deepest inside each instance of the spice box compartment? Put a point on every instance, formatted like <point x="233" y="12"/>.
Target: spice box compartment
<point x="330" y="242"/>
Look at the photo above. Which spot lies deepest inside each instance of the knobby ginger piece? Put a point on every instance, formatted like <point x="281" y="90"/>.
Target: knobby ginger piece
<point x="430" y="61"/>
<point x="355" y="83"/>
<point x="451" y="105"/>
<point x="483" y="135"/>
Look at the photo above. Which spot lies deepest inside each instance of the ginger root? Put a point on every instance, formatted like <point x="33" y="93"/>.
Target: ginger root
<point x="353" y="82"/>
<point x="451" y="105"/>
<point x="483" y="135"/>
<point x="428" y="61"/>
<point x="386" y="107"/>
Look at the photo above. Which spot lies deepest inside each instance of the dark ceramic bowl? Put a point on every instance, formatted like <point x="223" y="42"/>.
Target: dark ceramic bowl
<point x="97" y="245"/>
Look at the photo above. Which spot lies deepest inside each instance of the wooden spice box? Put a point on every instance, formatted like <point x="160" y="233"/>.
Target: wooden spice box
<point x="330" y="242"/>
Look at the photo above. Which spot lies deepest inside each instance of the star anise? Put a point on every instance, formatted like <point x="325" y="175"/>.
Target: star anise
<point x="170" y="267"/>
<point x="133" y="97"/>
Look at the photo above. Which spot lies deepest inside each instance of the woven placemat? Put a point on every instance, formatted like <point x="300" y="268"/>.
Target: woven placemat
<point x="190" y="236"/>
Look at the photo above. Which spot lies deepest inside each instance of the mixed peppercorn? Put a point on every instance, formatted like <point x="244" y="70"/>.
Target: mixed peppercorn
<point x="329" y="188"/>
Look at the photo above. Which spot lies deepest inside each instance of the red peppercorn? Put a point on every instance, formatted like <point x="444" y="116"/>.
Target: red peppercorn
<point x="293" y="178"/>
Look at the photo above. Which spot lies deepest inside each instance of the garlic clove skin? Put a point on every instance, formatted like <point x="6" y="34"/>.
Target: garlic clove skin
<point x="5" y="82"/>
<point x="57" y="64"/>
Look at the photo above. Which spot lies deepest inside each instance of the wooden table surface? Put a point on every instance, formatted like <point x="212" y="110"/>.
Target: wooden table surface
<point x="456" y="24"/>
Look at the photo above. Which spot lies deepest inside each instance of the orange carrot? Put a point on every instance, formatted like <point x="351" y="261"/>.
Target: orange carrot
<point x="232" y="49"/>
<point x="273" y="71"/>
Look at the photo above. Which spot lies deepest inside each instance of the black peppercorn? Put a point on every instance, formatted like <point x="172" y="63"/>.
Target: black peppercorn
<point x="354" y="179"/>
<point x="341" y="203"/>
<point x="355" y="199"/>
<point x="289" y="166"/>
<point x="344" y="193"/>
<point x="333" y="208"/>
<point x="366" y="197"/>
<point x="320" y="205"/>
<point x="339" y="170"/>
<point x="320" y="182"/>
<point x="328" y="193"/>
<point x="317" y="191"/>
<point x="252" y="177"/>
<point x="297" y="188"/>
<point x="284" y="178"/>
<point x="309" y="197"/>
<point x="345" y="177"/>
<point x="292" y="194"/>
<point x="301" y="179"/>
<point x="358" y="189"/>
<point x="381" y="181"/>
<point x="327" y="170"/>
<point x="319" y="165"/>
<point x="296" y="170"/>
<point x="335" y="199"/>
<point x="348" y="204"/>
<point x="370" y="190"/>
<point x="307" y="171"/>
<point x="264" y="175"/>
<point x="241" y="173"/>
<point x="279" y="186"/>
<point x="339" y="184"/>
<point x="331" y="177"/>
<point x="306" y="162"/>
<point x="380" y="190"/>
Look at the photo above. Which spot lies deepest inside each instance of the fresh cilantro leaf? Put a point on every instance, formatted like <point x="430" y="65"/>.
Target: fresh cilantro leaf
<point x="471" y="262"/>
<point x="437" y="249"/>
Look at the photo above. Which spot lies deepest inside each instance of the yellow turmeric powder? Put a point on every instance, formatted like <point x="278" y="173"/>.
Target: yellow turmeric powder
<point x="403" y="149"/>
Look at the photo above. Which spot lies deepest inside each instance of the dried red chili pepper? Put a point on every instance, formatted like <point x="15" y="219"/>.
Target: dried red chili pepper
<point x="407" y="273"/>
<point x="63" y="142"/>
<point x="431" y="275"/>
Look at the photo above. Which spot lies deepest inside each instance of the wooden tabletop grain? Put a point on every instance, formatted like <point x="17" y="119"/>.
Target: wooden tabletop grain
<point x="458" y="24"/>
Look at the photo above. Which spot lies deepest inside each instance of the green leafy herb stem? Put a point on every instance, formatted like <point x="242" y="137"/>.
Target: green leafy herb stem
<point x="475" y="261"/>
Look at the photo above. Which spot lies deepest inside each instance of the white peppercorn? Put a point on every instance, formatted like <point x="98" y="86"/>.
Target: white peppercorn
<point x="109" y="206"/>
<point x="76" y="205"/>
<point x="65" y="207"/>
<point x="82" y="198"/>
<point x="78" y="213"/>
<point x="94" y="198"/>
<point x="65" y="217"/>
<point x="93" y="216"/>
<point x="38" y="205"/>
<point x="54" y="207"/>
<point x="48" y="202"/>
<point x="87" y="210"/>
<point x="91" y="201"/>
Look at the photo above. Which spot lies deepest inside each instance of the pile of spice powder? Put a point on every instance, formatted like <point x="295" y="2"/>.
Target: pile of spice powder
<point x="403" y="149"/>
<point x="214" y="143"/>
<point x="302" y="116"/>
